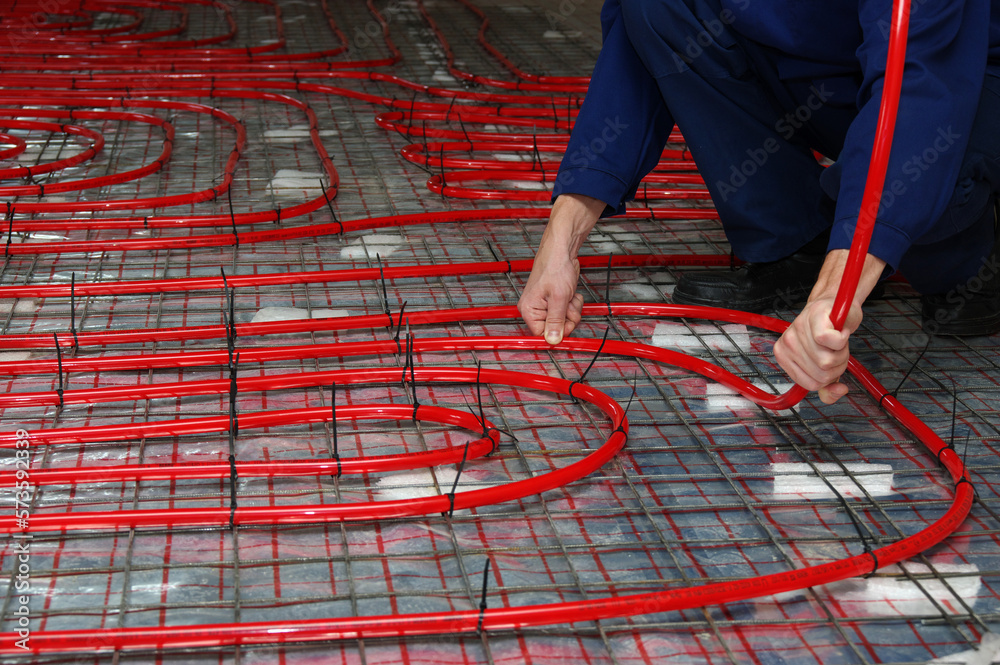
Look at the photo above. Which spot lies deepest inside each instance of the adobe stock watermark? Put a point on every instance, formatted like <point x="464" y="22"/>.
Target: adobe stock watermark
<point x="695" y="45"/>
<point x="961" y="295"/>
<point x="916" y="166"/>
<point x="23" y="493"/>
<point x="914" y="169"/>
<point x="373" y="29"/>
<point x="911" y="171"/>
<point x="24" y="28"/>
<point x="786" y="127"/>
<point x="585" y="156"/>
<point x="565" y="9"/>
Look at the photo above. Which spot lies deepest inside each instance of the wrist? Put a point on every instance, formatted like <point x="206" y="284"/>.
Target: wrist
<point x="573" y="216"/>
<point x="832" y="273"/>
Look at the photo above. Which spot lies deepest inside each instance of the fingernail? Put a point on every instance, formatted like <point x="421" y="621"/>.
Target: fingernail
<point x="553" y="337"/>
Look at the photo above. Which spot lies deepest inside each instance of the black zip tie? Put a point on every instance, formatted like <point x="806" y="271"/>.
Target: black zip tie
<point x="607" y="284"/>
<point x="385" y="295"/>
<point x="496" y="257"/>
<point x="59" y="389"/>
<point x="329" y="204"/>
<point x="908" y="372"/>
<point x="555" y="114"/>
<point x="875" y="564"/>
<point x="468" y="140"/>
<point x="454" y="485"/>
<point x="233" y="477"/>
<point x="482" y="601"/>
<point x="963" y="479"/>
<point x="413" y="378"/>
<point x="538" y="155"/>
<point x="145" y="222"/>
<point x="408" y="135"/>
<point x="333" y="411"/>
<point x="479" y="397"/>
<point x="482" y="416"/>
<point x="234" y="419"/>
<point x="277" y="215"/>
<point x="441" y="159"/>
<point x="232" y="216"/>
<point x="406" y="355"/>
<point x="447" y="114"/>
<point x="954" y="416"/>
<point x="592" y="361"/>
<point x="399" y="327"/>
<point x="857" y="527"/>
<point x="628" y="405"/>
<point x="427" y="154"/>
<point x="868" y="549"/>
<point x="72" y="309"/>
<point x="230" y="319"/>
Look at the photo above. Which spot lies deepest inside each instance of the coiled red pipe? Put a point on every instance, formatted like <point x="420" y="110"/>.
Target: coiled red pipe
<point x="508" y="618"/>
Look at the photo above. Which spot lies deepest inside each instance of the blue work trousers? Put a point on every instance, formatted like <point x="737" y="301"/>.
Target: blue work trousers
<point x="752" y="132"/>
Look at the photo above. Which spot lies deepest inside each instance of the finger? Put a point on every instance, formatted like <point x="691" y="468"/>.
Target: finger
<point x="534" y="316"/>
<point x="574" y="312"/>
<point x="833" y="392"/>
<point x="555" y="322"/>
<point x="824" y="334"/>
<point x="788" y="352"/>
<point x="801" y="376"/>
<point x="831" y="339"/>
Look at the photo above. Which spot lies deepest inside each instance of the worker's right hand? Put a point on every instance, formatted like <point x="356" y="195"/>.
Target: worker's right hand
<point x="549" y="303"/>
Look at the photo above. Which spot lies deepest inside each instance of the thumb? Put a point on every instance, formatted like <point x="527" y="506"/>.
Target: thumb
<point x="554" y="325"/>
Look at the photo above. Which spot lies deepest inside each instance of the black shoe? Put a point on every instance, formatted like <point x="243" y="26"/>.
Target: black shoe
<point x="753" y="287"/>
<point x="970" y="309"/>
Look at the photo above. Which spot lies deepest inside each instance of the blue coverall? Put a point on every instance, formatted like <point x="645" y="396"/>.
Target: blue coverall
<point x="756" y="85"/>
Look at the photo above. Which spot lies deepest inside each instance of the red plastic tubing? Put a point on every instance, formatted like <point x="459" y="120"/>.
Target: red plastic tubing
<point x="216" y="635"/>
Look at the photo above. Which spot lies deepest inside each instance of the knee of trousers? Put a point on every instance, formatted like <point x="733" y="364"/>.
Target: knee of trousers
<point x="675" y="36"/>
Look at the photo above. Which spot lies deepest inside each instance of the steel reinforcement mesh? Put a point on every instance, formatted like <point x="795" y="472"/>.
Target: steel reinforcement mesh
<point x="708" y="488"/>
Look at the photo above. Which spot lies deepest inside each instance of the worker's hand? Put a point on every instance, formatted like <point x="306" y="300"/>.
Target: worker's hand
<point x="549" y="303"/>
<point x="814" y="353"/>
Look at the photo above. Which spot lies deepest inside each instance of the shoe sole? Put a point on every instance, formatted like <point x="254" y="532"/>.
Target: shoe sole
<point x="752" y="306"/>
<point x="984" y="327"/>
<point x="759" y="306"/>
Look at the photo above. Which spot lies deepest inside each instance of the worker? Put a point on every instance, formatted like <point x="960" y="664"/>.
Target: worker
<point x="756" y="86"/>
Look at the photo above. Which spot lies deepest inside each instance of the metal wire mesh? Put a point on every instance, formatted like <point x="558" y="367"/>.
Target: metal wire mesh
<point x="694" y="497"/>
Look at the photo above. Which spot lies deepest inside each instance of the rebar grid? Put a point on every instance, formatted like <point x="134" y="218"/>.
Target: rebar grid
<point x="691" y="499"/>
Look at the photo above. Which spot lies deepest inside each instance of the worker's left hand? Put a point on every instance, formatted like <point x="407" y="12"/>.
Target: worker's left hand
<point x="814" y="353"/>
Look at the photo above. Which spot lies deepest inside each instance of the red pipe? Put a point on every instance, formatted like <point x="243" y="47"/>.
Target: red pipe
<point x="509" y="618"/>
